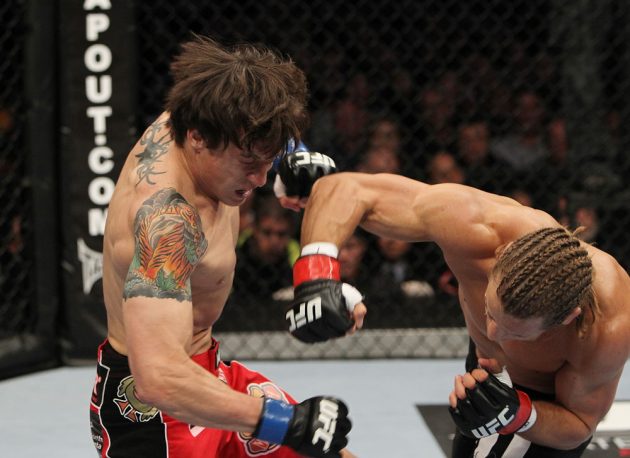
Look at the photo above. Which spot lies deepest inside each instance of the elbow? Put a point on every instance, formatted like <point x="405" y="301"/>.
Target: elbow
<point x="148" y="390"/>
<point x="329" y="182"/>
<point x="575" y="438"/>
<point x="574" y="442"/>
<point x="150" y="387"/>
<point x="338" y="184"/>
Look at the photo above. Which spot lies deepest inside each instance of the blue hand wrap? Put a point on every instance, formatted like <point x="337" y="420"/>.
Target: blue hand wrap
<point x="274" y="421"/>
<point x="292" y="147"/>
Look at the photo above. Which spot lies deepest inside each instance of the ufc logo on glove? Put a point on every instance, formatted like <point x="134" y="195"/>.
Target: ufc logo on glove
<point x="493" y="425"/>
<point x="307" y="158"/>
<point x="494" y="406"/>
<point x="328" y="412"/>
<point x="307" y="313"/>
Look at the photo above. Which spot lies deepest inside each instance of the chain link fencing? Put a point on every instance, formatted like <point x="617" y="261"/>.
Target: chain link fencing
<point x="15" y="201"/>
<point x="521" y="98"/>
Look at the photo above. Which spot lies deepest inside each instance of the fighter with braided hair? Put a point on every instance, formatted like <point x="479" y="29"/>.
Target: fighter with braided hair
<point x="548" y="316"/>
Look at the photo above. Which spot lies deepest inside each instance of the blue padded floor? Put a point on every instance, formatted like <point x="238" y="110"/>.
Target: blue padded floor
<point x="46" y="414"/>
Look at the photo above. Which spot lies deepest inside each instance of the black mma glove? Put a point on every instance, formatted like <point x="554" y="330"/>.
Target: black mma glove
<point x="322" y="305"/>
<point x="298" y="171"/>
<point x="316" y="427"/>
<point x="494" y="406"/>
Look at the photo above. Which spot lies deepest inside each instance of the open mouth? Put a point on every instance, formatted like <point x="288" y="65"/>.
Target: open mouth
<point x="243" y="193"/>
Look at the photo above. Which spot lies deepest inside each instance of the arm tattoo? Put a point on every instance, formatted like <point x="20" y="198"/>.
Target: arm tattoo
<point x="169" y="244"/>
<point x="153" y="150"/>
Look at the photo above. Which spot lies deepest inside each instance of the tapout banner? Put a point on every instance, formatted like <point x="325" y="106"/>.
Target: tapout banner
<point x="97" y="81"/>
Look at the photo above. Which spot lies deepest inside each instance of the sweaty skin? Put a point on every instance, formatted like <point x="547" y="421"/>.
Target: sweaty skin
<point x="470" y="226"/>
<point x="168" y="264"/>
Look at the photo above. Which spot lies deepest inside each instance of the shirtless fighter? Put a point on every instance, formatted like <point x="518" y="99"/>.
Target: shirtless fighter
<point x="168" y="263"/>
<point x="542" y="308"/>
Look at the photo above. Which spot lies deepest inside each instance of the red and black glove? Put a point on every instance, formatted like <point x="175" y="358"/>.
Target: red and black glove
<point x="493" y="406"/>
<point x="322" y="305"/>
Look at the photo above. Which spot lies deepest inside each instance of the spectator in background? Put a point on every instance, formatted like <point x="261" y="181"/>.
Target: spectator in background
<point x="557" y="174"/>
<point x="12" y="272"/>
<point x="443" y="168"/>
<point x="557" y="142"/>
<point x="327" y="86"/>
<point x="436" y="124"/>
<point x="351" y="120"/>
<point x="522" y="196"/>
<point x="263" y="275"/>
<point x="586" y="216"/>
<point x="499" y="109"/>
<point x="483" y="171"/>
<point x="525" y="147"/>
<point x="584" y="211"/>
<point x="546" y="79"/>
<point x="400" y="97"/>
<point x="396" y="288"/>
<point x="580" y="210"/>
<point x="379" y="159"/>
<point x="485" y="92"/>
<point x="384" y="132"/>
<point x="351" y="257"/>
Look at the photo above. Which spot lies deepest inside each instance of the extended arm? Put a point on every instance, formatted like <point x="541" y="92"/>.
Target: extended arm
<point x="387" y="205"/>
<point x="397" y="207"/>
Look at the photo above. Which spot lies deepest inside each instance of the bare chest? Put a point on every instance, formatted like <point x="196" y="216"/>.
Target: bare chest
<point x="211" y="280"/>
<point x="530" y="363"/>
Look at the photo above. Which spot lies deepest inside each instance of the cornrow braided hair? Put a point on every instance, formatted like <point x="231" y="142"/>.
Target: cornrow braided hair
<point x="546" y="273"/>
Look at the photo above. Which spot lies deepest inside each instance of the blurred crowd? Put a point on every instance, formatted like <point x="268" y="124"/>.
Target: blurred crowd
<point x="501" y="130"/>
<point x="467" y="126"/>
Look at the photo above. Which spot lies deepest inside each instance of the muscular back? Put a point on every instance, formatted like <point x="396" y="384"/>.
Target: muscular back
<point x="154" y="196"/>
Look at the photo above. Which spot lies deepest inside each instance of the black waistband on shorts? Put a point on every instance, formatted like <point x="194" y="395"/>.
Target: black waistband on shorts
<point x="111" y="358"/>
<point x="471" y="363"/>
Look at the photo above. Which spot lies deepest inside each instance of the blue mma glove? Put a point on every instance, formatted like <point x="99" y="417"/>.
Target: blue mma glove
<point x="317" y="427"/>
<point x="298" y="170"/>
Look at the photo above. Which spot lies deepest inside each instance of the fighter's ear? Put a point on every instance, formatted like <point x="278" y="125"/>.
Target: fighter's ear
<point x="577" y="311"/>
<point x="195" y="139"/>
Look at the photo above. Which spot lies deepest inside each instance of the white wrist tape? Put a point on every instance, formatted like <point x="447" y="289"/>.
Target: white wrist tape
<point x="504" y="377"/>
<point x="327" y="248"/>
<point x="279" y="189"/>
<point x="530" y="421"/>
<point x="351" y="295"/>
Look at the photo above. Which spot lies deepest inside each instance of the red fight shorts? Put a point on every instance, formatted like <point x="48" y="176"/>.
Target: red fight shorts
<point x="122" y="426"/>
